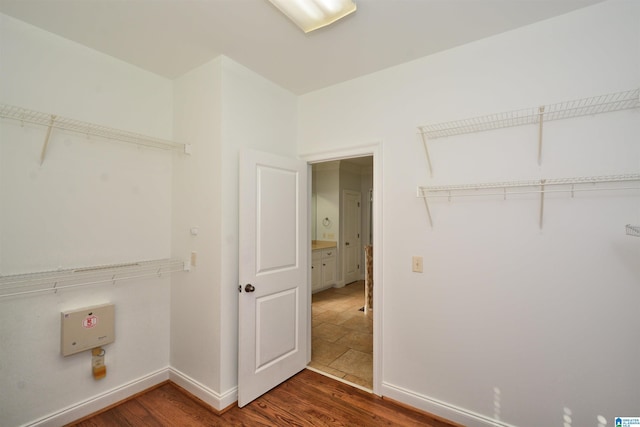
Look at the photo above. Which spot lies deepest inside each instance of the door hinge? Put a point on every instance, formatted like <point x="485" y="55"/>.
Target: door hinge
<point x="358" y="204"/>
<point x="358" y="266"/>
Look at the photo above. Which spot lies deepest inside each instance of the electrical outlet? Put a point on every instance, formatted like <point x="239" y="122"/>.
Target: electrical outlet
<point x="417" y="264"/>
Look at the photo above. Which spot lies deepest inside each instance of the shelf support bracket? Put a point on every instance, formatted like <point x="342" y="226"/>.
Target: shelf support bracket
<point x="46" y="140"/>
<point x="542" y="201"/>
<point x="540" y="123"/>
<point x="426" y="205"/>
<point x="426" y="151"/>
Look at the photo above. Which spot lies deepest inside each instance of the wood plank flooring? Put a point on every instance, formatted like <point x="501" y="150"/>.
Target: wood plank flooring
<point x="307" y="399"/>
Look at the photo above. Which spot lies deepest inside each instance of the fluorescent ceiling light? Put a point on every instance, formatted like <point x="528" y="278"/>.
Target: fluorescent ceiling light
<point x="313" y="14"/>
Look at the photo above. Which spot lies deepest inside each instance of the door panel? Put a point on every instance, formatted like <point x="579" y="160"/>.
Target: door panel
<point x="273" y="312"/>
<point x="277" y="219"/>
<point x="276" y="312"/>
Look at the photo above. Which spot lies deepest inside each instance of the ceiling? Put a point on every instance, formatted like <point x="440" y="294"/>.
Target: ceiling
<point x="171" y="37"/>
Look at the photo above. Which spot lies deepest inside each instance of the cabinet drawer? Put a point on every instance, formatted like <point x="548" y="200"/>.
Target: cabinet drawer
<point x="329" y="253"/>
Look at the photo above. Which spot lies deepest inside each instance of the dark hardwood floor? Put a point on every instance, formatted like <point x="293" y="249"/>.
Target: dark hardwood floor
<point x="307" y="399"/>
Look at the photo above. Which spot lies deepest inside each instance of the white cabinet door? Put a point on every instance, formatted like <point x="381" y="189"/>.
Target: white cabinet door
<point x="328" y="267"/>
<point x="316" y="270"/>
<point x="273" y="305"/>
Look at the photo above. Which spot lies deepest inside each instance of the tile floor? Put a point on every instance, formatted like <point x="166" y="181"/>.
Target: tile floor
<point x="342" y="335"/>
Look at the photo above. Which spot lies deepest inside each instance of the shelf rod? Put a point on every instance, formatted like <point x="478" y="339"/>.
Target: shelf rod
<point x="511" y="193"/>
<point x="563" y="110"/>
<point x="533" y="183"/>
<point x="46" y="139"/>
<point x="112" y="280"/>
<point x="30" y="283"/>
<point x="39" y="279"/>
<point x="24" y="115"/>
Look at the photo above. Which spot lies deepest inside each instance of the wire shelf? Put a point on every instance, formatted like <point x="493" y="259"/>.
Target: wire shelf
<point x="633" y="230"/>
<point x="541" y="187"/>
<point x="89" y="129"/>
<point x="48" y="281"/>
<point x="562" y="110"/>
<point x="463" y="190"/>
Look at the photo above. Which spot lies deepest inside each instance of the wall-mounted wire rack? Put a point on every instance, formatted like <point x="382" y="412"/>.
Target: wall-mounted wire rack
<point x="52" y="121"/>
<point x="531" y="116"/>
<point x="53" y="281"/>
<point x="541" y="186"/>
<point x="633" y="230"/>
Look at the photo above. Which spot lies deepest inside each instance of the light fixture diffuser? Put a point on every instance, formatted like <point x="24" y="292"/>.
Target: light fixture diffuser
<point x="310" y="15"/>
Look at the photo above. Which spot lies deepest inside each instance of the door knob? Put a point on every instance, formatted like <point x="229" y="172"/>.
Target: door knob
<point x="249" y="288"/>
<point x="347" y="243"/>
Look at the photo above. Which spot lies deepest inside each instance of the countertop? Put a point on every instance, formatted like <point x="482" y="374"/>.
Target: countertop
<point x="322" y="244"/>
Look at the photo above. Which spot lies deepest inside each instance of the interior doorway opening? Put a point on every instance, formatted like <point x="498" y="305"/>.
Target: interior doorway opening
<point x="342" y="320"/>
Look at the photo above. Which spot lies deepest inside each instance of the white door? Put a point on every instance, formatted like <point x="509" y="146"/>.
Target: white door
<point x="351" y="233"/>
<point x="273" y="305"/>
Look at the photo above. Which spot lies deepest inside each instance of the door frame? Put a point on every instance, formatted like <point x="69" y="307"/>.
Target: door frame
<point x="374" y="150"/>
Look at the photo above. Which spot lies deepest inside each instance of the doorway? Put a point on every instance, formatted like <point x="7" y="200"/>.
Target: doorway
<point x="342" y="330"/>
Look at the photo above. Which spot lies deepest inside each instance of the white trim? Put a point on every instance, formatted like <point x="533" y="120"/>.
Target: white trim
<point x="440" y="408"/>
<point x="100" y="401"/>
<point x="217" y="400"/>
<point x="375" y="150"/>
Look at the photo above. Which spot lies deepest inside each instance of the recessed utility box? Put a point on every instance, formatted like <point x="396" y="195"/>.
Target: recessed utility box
<point x="87" y="328"/>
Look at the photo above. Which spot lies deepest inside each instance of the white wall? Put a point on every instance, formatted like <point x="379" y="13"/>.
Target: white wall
<point x="326" y="177"/>
<point x="197" y="188"/>
<point x="221" y="107"/>
<point x="543" y="316"/>
<point x="91" y="203"/>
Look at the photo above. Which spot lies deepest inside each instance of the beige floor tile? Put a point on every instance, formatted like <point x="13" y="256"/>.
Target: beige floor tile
<point x="357" y="341"/>
<point x="334" y="317"/>
<point x="362" y="323"/>
<point x="329" y="332"/>
<point x="355" y="363"/>
<point x="342" y="335"/>
<point x="328" y="370"/>
<point x="325" y="352"/>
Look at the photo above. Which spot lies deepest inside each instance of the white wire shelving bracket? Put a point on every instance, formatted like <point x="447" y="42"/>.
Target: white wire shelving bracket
<point x="632" y="230"/>
<point x="530" y="116"/>
<point x="53" y="281"/>
<point x="52" y="121"/>
<point x="541" y="186"/>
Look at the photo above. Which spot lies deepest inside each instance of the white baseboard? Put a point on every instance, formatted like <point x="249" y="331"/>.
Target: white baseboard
<point x="439" y="408"/>
<point x="108" y="398"/>
<point x="216" y="400"/>
<point x="220" y="401"/>
<point x="100" y="401"/>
